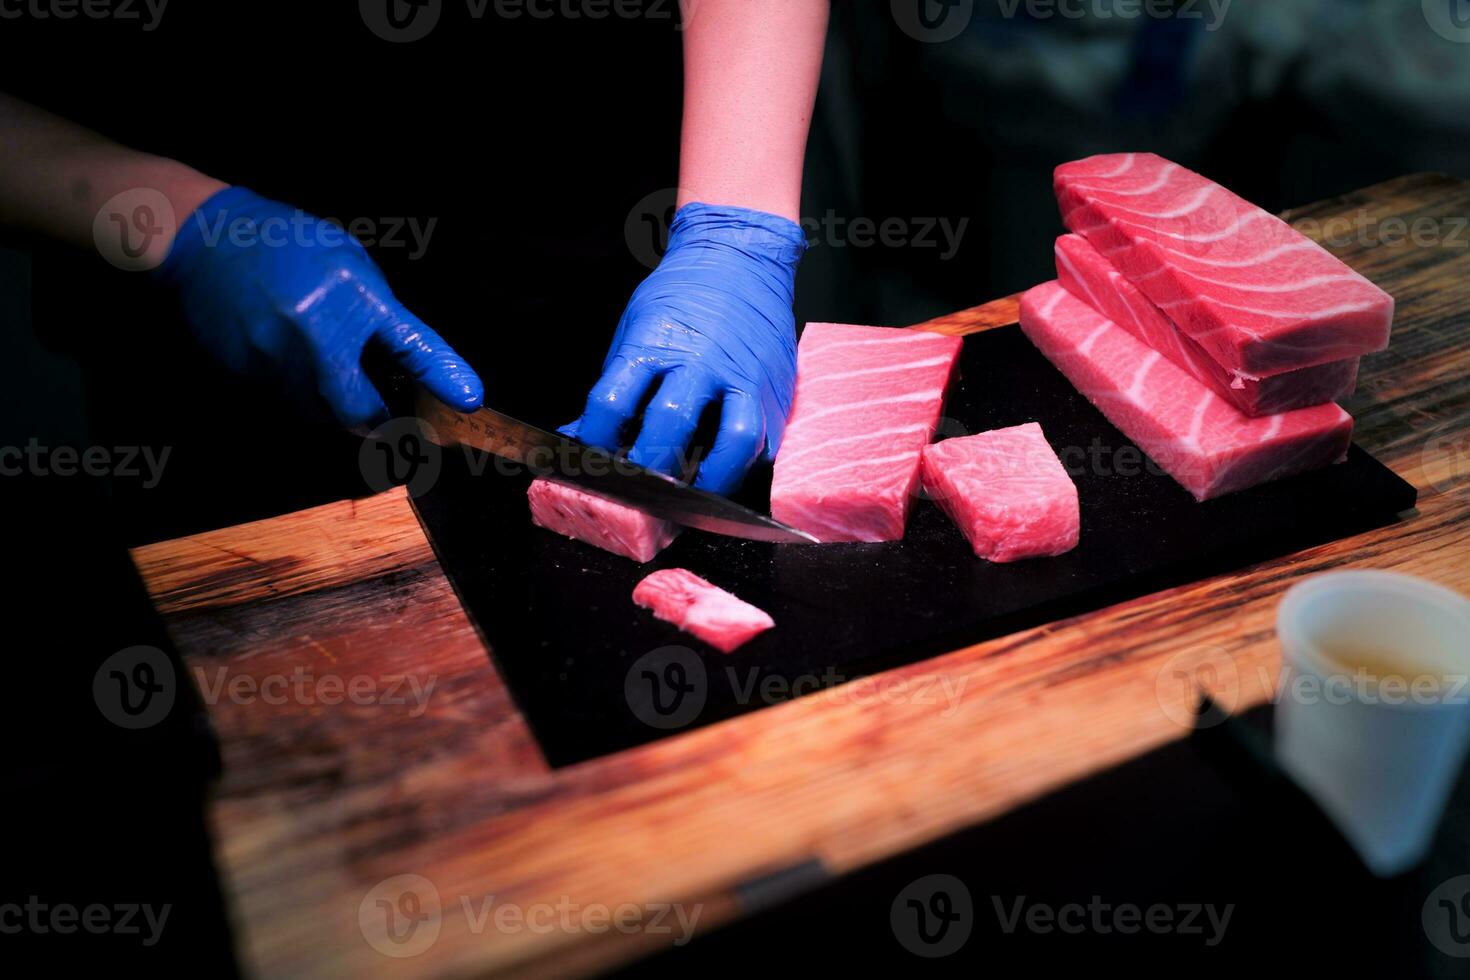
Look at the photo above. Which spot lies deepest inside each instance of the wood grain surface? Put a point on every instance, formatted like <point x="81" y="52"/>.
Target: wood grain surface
<point x="366" y="734"/>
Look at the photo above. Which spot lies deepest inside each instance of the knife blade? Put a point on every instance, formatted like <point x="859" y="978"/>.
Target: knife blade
<point x="567" y="461"/>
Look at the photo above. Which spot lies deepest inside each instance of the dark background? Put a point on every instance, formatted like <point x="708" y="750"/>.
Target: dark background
<point x="534" y="144"/>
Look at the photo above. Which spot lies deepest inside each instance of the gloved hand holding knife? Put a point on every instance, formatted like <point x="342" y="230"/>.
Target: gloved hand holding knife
<point x="302" y="304"/>
<point x="267" y="289"/>
<point x="713" y="324"/>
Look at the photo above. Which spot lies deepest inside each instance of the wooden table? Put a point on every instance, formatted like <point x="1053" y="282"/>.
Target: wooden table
<point x="328" y="789"/>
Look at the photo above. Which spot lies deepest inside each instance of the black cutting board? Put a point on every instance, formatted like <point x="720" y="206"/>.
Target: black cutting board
<point x="594" y="673"/>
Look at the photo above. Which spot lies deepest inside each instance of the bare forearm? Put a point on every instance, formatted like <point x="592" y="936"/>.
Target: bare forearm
<point x="750" y="81"/>
<point x="55" y="176"/>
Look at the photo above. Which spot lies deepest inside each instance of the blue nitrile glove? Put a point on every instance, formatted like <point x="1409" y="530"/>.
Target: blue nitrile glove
<point x="270" y="290"/>
<point x="712" y="324"/>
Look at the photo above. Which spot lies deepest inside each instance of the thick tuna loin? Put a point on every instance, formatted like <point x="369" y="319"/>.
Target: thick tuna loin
<point x="1007" y="491"/>
<point x="601" y="523"/>
<point x="1088" y="276"/>
<point x="678" y="596"/>
<point x="1258" y="295"/>
<point x="867" y="403"/>
<point x="1200" y="439"/>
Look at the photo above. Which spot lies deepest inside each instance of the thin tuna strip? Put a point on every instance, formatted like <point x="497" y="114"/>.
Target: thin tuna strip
<point x="1261" y="297"/>
<point x="1199" y="439"/>
<point x="720" y="619"/>
<point x="598" y="522"/>
<point x="1007" y="491"/>
<point x="867" y="403"/>
<point x="1087" y="275"/>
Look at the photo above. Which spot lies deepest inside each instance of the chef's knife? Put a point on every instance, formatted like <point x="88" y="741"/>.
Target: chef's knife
<point x="568" y="461"/>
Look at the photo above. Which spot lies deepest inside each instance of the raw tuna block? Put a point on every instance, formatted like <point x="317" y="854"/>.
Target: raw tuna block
<point x="1199" y="439"/>
<point x="689" y="602"/>
<point x="1007" y="491"/>
<point x="602" y="523"/>
<point x="1258" y="295"/>
<point x="1087" y="275"/>
<point x="867" y="403"/>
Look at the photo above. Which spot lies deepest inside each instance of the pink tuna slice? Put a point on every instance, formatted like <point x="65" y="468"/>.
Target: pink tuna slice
<point x="1199" y="439"/>
<point x="867" y="403"/>
<point x="1007" y="491"/>
<point x="678" y="596"/>
<point x="599" y="522"/>
<point x="1090" y="277"/>
<point x="1261" y="297"/>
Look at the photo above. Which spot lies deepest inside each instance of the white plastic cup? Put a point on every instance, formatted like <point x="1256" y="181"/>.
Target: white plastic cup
<point x="1379" y="749"/>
